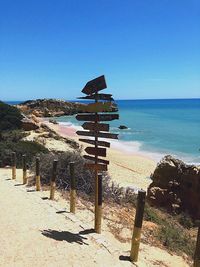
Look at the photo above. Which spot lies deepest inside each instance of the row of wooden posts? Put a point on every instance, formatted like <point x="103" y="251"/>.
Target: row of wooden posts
<point x="136" y="237"/>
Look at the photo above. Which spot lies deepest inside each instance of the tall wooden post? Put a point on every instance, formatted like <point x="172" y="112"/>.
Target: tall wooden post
<point x="94" y="117"/>
<point x="53" y="179"/>
<point x="99" y="205"/>
<point x="138" y="225"/>
<point x="13" y="165"/>
<point x="72" y="188"/>
<point x="38" y="184"/>
<point x="197" y="251"/>
<point x="24" y="166"/>
<point x="96" y="173"/>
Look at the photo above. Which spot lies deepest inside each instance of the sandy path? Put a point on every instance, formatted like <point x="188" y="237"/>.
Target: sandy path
<point x="36" y="232"/>
<point x="33" y="233"/>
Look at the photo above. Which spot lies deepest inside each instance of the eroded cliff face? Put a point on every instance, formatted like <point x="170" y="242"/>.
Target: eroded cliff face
<point x="176" y="187"/>
<point x="49" y="107"/>
<point x="53" y="107"/>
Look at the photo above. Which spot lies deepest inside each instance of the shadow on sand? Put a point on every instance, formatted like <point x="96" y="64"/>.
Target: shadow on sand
<point x="30" y="190"/>
<point x="64" y="236"/>
<point x="44" y="198"/>
<point x="87" y="231"/>
<point x="62" y="211"/>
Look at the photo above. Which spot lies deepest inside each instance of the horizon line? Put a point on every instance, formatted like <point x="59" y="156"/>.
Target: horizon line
<point x="124" y="99"/>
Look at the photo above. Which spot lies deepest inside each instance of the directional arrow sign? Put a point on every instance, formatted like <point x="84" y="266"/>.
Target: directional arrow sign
<point x="95" y="85"/>
<point x="96" y="151"/>
<point x="97" y="107"/>
<point x="96" y="126"/>
<point x="98" y="160"/>
<point x="93" y="142"/>
<point x="107" y="97"/>
<point x="99" y="167"/>
<point x="98" y="134"/>
<point x="99" y="117"/>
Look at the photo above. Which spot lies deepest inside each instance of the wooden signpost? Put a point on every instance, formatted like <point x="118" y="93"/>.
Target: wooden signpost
<point x="96" y="130"/>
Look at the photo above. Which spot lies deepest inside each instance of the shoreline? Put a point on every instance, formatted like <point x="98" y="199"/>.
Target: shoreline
<point x="126" y="168"/>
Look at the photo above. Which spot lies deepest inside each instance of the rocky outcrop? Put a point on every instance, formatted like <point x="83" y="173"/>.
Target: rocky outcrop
<point x="176" y="187"/>
<point x="122" y="127"/>
<point x="29" y="124"/>
<point x="53" y="107"/>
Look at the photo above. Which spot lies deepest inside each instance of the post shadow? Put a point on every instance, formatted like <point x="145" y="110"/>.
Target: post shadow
<point x="87" y="231"/>
<point x="44" y="198"/>
<point x="62" y="211"/>
<point x="64" y="236"/>
<point x="18" y="184"/>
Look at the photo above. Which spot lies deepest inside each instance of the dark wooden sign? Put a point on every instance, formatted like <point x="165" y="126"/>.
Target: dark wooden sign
<point x="97" y="167"/>
<point x="96" y="143"/>
<point x="94" y="85"/>
<point x="96" y="126"/>
<point x="97" y="107"/>
<point x="99" y="117"/>
<point x="98" y="134"/>
<point x="107" y="97"/>
<point x="98" y="160"/>
<point x="97" y="151"/>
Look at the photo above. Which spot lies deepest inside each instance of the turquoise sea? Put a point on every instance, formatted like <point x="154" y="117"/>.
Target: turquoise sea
<point x="157" y="127"/>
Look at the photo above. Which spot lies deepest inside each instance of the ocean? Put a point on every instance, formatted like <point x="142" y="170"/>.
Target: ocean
<point x="156" y="128"/>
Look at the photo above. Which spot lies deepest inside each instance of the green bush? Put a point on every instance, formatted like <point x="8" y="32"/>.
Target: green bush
<point x="30" y="149"/>
<point x="185" y="220"/>
<point x="12" y="136"/>
<point x="175" y="239"/>
<point x="10" y="117"/>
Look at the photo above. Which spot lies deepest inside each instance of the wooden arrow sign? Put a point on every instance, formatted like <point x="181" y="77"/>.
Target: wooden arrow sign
<point x="93" y="142"/>
<point x="99" y="117"/>
<point x="96" y="151"/>
<point x="95" y="85"/>
<point x="96" y="126"/>
<point x="98" y="167"/>
<point x="97" y="107"/>
<point x="98" y="134"/>
<point x="107" y="97"/>
<point x="98" y="160"/>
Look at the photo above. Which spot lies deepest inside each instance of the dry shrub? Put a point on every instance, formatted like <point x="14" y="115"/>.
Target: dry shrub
<point x="85" y="179"/>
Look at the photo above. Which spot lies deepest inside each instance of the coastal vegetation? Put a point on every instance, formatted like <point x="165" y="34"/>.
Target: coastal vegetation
<point x="11" y="137"/>
<point x="10" y="117"/>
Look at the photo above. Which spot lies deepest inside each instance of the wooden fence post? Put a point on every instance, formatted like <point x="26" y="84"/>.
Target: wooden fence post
<point x="137" y="225"/>
<point x="13" y="165"/>
<point x="53" y="179"/>
<point x="197" y="251"/>
<point x="24" y="166"/>
<point x="72" y="187"/>
<point x="38" y="184"/>
<point x="99" y="207"/>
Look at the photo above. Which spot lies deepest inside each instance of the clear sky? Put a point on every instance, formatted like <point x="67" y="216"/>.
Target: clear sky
<point x="145" y="48"/>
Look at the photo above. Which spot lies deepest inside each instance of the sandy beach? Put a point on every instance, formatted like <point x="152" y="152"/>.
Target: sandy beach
<point x="128" y="169"/>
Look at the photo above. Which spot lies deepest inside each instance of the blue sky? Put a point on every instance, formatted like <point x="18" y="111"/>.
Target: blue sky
<point x="146" y="49"/>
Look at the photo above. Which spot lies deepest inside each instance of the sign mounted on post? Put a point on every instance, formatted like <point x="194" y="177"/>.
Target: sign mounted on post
<point x="95" y="129"/>
<point x="95" y="85"/>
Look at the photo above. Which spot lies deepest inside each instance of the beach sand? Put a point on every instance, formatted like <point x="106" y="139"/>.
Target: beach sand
<point x="128" y="169"/>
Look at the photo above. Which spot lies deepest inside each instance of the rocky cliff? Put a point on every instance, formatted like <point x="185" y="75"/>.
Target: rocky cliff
<point x="176" y="187"/>
<point x="52" y="107"/>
